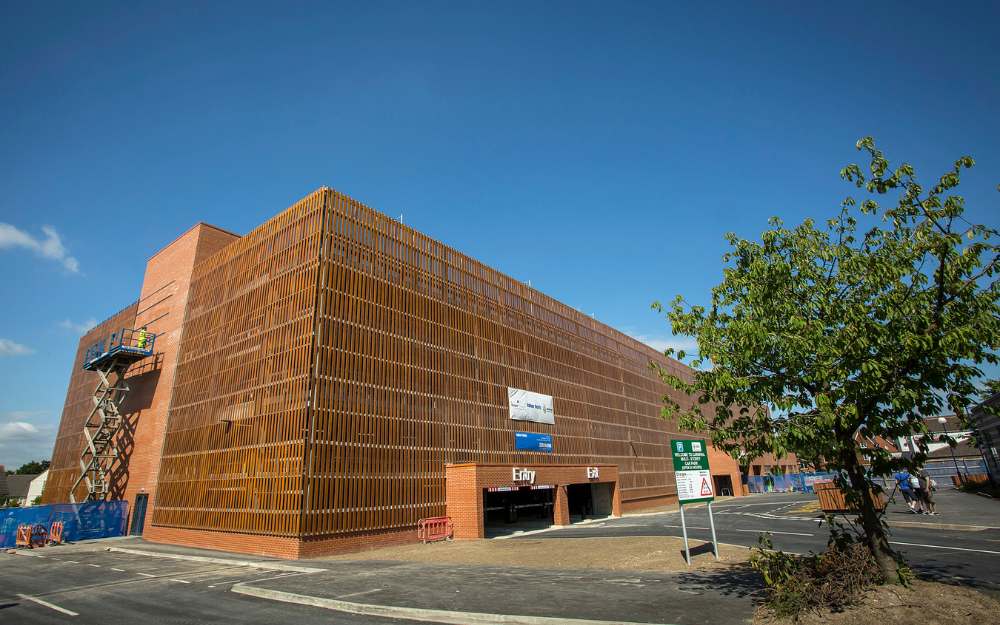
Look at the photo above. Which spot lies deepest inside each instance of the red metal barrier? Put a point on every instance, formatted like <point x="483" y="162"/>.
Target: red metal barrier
<point x="437" y="528"/>
<point x="38" y="536"/>
<point x="55" y="532"/>
<point x="31" y="536"/>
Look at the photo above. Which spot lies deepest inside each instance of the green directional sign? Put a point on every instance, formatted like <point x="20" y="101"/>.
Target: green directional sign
<point x="691" y="472"/>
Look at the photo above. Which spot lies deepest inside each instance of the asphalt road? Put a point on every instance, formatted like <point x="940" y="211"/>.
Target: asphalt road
<point x="105" y="587"/>
<point x="972" y="558"/>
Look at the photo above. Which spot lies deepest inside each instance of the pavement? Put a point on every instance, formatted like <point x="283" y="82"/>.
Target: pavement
<point x="937" y="547"/>
<point x="956" y="510"/>
<point x="407" y="591"/>
<point x="147" y="581"/>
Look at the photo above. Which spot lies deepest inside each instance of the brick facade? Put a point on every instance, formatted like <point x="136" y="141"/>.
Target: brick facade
<point x="322" y="383"/>
<point x="721" y="464"/>
<point x="161" y="308"/>
<point x="465" y="484"/>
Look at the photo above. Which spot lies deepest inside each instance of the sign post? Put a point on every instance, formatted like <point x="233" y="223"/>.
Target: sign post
<point x="694" y="484"/>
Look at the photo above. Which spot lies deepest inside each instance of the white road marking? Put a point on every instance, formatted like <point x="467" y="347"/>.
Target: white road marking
<point x="49" y="605"/>
<point x="145" y="574"/>
<point x="774" y="532"/>
<point x="95" y="565"/>
<point x="976" y="581"/>
<point x="893" y="542"/>
<point x="178" y="580"/>
<point x="355" y="594"/>
<point x="72" y="562"/>
<point x="119" y="570"/>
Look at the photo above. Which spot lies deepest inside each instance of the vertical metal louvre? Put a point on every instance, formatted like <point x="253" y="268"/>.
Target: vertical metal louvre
<point x="234" y="444"/>
<point x="334" y="360"/>
<point x="416" y="345"/>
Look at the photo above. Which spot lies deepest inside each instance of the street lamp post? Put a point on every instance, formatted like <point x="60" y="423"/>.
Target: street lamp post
<point x="943" y="421"/>
<point x="982" y="454"/>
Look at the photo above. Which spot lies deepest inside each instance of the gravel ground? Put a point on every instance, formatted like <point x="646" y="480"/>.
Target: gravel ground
<point x="923" y="603"/>
<point x="635" y="553"/>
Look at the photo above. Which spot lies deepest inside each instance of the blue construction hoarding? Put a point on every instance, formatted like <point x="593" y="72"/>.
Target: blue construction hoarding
<point x="81" y="521"/>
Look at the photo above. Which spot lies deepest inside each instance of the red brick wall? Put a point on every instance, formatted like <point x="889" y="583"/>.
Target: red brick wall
<point x="465" y="484"/>
<point x="722" y="463"/>
<point x="70" y="442"/>
<point x="763" y="464"/>
<point x="638" y="505"/>
<point x="161" y="306"/>
<point x="275" y="547"/>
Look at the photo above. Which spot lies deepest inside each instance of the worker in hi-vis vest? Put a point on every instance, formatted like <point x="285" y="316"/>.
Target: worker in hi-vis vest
<point x="142" y="338"/>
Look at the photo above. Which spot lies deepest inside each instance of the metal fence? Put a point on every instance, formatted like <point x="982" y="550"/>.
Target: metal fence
<point x="940" y="472"/>
<point x="95" y="519"/>
<point x="802" y="482"/>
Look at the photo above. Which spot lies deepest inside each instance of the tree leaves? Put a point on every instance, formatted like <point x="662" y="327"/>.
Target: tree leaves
<point x="828" y="331"/>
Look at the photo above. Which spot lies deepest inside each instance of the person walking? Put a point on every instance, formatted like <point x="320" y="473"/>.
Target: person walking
<point x="906" y="488"/>
<point x="926" y="492"/>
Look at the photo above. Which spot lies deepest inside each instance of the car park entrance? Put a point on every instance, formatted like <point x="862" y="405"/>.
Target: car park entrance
<point x="503" y="496"/>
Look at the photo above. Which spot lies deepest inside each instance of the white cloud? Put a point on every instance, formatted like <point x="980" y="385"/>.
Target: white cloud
<point x="17" y="431"/>
<point x="79" y="328"/>
<point x="10" y="348"/>
<point x="51" y="247"/>
<point x="22" y="440"/>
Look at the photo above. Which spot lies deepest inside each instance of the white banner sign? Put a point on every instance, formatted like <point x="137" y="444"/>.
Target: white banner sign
<point x="528" y="406"/>
<point x="695" y="485"/>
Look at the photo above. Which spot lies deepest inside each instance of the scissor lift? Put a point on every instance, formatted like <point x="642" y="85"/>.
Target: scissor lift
<point x="110" y="358"/>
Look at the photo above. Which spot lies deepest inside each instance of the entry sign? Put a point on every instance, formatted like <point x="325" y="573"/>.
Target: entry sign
<point x="691" y="472"/>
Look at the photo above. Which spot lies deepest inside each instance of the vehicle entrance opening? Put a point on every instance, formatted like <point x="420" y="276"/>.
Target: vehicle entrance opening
<point x="723" y="485"/>
<point x="517" y="509"/>
<point x="581" y="501"/>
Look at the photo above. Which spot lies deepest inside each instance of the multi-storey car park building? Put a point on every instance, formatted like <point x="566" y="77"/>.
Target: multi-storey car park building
<point x="326" y="381"/>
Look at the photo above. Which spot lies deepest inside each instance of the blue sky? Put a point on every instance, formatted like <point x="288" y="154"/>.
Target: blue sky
<point x="627" y="139"/>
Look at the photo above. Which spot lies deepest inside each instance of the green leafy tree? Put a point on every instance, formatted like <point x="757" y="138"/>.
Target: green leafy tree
<point x="841" y="332"/>
<point x="990" y="388"/>
<point x="33" y="468"/>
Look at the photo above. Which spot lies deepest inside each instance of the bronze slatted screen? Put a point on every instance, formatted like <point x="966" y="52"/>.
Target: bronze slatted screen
<point x="234" y="442"/>
<point x="416" y="345"/>
<point x="70" y="442"/>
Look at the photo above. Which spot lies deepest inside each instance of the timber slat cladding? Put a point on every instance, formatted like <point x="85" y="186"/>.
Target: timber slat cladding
<point x="233" y="449"/>
<point x="416" y="345"/>
<point x="70" y="442"/>
<point x="334" y="360"/>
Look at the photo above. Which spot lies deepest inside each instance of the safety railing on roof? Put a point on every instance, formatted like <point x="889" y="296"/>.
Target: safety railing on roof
<point x="127" y="341"/>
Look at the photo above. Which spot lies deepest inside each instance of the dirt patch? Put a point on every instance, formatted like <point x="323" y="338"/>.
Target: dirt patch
<point x="635" y="553"/>
<point x="923" y="603"/>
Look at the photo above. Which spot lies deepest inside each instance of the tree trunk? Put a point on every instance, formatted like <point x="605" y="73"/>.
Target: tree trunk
<point x="874" y="532"/>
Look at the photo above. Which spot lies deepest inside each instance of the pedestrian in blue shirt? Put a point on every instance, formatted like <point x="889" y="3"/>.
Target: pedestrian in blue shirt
<point x="903" y="480"/>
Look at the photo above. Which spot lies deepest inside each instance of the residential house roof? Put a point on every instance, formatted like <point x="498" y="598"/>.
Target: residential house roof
<point x="18" y="485"/>
<point x="965" y="449"/>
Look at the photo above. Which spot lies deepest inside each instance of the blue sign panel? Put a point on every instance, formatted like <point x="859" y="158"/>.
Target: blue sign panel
<point x="532" y="442"/>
